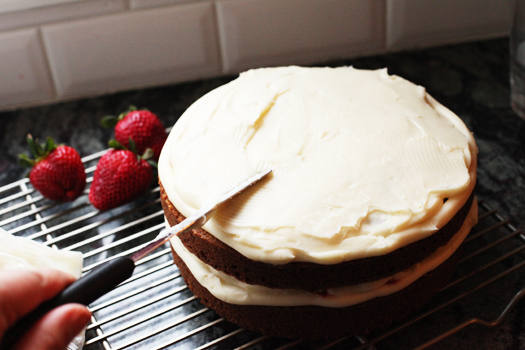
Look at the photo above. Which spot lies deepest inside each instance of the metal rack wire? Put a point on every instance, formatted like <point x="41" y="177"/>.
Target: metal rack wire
<point x="155" y="309"/>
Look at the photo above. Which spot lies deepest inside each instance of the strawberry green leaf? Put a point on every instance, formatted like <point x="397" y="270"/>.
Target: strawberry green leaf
<point x="132" y="146"/>
<point x="24" y="161"/>
<point x="153" y="163"/>
<point x="39" y="149"/>
<point x="109" y="121"/>
<point x="50" y="145"/>
<point x="116" y="145"/>
<point x="32" y="145"/>
<point x="123" y="114"/>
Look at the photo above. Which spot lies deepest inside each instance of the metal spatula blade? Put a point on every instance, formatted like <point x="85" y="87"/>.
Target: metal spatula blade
<point x="200" y="217"/>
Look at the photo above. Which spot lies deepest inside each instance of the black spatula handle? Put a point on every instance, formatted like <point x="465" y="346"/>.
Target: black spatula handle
<point x="85" y="290"/>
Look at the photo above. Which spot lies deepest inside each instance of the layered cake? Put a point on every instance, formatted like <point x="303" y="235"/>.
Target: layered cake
<point x="362" y="219"/>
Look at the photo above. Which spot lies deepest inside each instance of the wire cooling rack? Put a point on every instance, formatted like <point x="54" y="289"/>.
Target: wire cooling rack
<point x="155" y="310"/>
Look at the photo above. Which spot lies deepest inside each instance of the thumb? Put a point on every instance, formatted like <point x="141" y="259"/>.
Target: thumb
<point x="56" y="329"/>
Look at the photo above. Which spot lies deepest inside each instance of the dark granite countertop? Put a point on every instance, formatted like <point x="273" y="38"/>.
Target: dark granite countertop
<point x="471" y="79"/>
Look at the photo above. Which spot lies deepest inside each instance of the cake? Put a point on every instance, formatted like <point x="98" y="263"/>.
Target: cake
<point x="359" y="224"/>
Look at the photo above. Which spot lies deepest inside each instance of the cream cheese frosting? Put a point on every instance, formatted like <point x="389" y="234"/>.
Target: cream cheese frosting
<point x="23" y="253"/>
<point x="361" y="163"/>
<point x="233" y="291"/>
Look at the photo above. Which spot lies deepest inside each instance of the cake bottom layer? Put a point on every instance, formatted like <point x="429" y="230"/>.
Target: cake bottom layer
<point x="312" y="322"/>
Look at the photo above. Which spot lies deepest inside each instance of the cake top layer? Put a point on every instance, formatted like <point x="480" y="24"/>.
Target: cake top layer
<point x="362" y="162"/>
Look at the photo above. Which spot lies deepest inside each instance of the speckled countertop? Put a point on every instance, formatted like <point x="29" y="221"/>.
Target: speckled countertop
<point x="471" y="79"/>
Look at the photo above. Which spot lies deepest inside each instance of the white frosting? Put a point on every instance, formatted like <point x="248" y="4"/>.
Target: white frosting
<point x="361" y="163"/>
<point x="23" y="253"/>
<point x="233" y="291"/>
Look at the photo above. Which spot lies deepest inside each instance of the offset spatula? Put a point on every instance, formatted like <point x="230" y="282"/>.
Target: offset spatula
<point x="104" y="278"/>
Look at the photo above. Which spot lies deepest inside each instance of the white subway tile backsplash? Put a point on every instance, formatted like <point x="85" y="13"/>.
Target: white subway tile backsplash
<point x="141" y="4"/>
<point x="50" y="14"/>
<point x="18" y="5"/>
<point x="137" y="49"/>
<point x="23" y="71"/>
<point x="98" y="46"/>
<point x="431" y="22"/>
<point x="256" y="33"/>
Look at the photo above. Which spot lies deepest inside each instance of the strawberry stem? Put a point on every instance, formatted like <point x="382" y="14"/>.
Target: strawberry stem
<point x="148" y="153"/>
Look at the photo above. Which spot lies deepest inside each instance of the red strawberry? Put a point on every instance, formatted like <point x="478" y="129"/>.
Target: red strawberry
<point x="120" y="177"/>
<point x="57" y="172"/>
<point x="142" y="126"/>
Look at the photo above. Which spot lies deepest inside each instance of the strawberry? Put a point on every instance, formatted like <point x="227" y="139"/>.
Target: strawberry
<point x="141" y="126"/>
<point x="121" y="176"/>
<point x="57" y="173"/>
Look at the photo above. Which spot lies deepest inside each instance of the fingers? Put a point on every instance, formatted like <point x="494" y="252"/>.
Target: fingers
<point x="56" y="329"/>
<point x="22" y="290"/>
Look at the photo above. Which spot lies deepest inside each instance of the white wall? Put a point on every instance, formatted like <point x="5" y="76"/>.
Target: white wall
<point x="85" y="48"/>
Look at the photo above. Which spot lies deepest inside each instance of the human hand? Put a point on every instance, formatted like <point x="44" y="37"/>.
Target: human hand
<point x="22" y="291"/>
